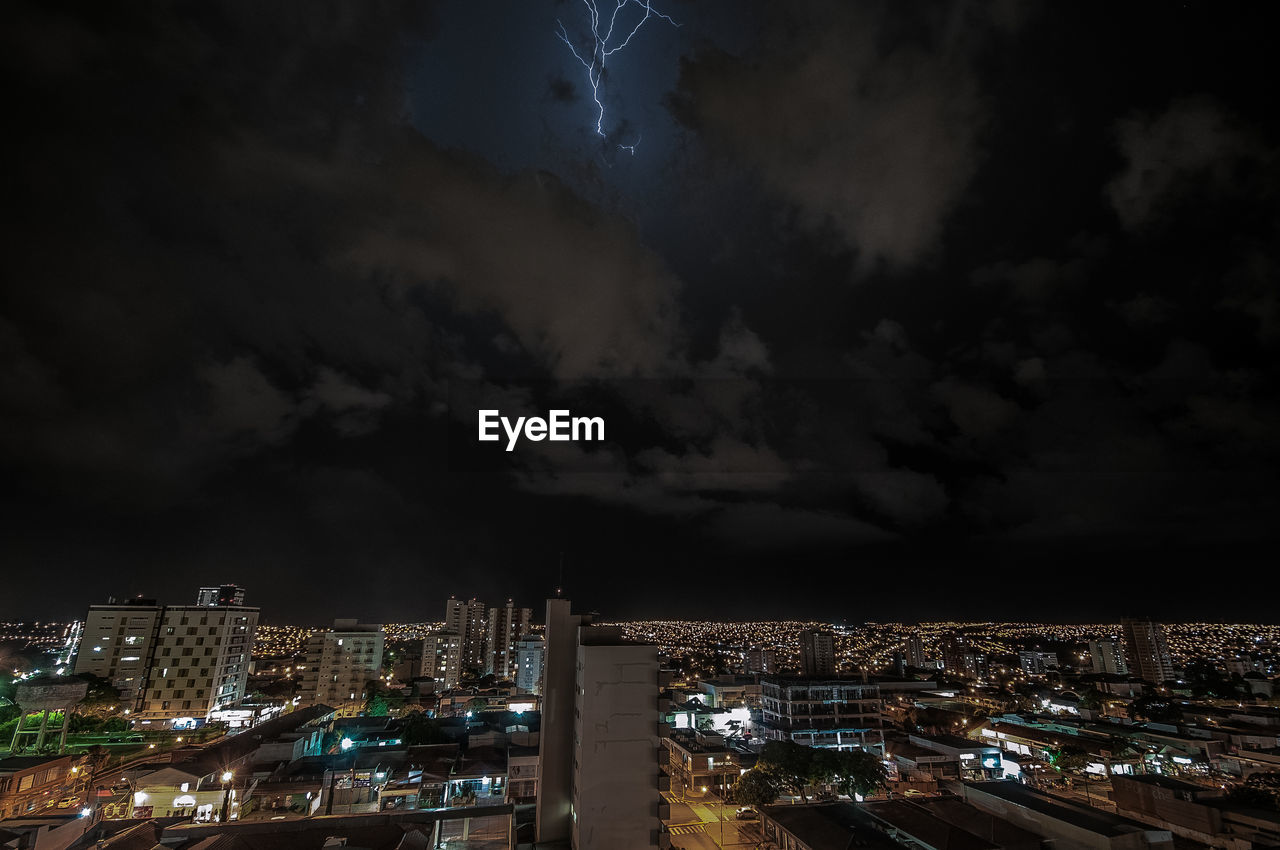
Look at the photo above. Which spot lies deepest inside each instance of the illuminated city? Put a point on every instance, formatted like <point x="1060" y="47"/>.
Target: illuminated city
<point x="632" y="424"/>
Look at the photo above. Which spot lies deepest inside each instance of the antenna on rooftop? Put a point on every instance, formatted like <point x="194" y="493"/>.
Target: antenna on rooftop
<point x="560" y="582"/>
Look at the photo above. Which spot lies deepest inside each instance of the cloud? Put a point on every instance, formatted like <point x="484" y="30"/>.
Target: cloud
<point x="862" y="129"/>
<point x="1193" y="145"/>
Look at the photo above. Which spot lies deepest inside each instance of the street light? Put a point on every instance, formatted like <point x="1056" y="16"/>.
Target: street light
<point x="226" y="798"/>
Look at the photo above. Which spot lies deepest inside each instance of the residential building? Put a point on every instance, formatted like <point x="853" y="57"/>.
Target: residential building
<point x="703" y="763"/>
<point x="598" y="776"/>
<point x="1195" y="812"/>
<point x="817" y="653"/>
<point x="442" y="659"/>
<point x="340" y="662"/>
<point x="507" y="625"/>
<point x="199" y="663"/>
<point x="469" y="622"/>
<point x="1147" y="650"/>
<point x="1035" y="663"/>
<point x="529" y="658"/>
<point x="117" y="644"/>
<point x="1107" y="658"/>
<point x="759" y="659"/>
<point x="224" y="594"/>
<point x="32" y="783"/>
<point x="838" y="713"/>
<point x="915" y="651"/>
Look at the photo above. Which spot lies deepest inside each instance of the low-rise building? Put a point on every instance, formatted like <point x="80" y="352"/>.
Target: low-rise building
<point x="1065" y="823"/>
<point x="31" y="784"/>
<point x="839" y="713"/>
<point x="701" y="762"/>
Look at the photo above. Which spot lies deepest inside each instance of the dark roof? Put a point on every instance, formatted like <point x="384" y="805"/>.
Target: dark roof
<point x="980" y="823"/>
<point x="922" y="825"/>
<point x="1093" y="820"/>
<point x="1163" y="782"/>
<point x="828" y="826"/>
<point x="15" y="763"/>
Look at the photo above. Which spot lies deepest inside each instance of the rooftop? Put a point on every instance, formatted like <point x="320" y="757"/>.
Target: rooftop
<point x="1093" y="820"/>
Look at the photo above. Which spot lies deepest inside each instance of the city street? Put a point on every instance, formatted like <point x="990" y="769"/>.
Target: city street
<point x="709" y="823"/>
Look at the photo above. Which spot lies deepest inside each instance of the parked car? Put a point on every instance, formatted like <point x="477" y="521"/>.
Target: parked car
<point x="747" y="813"/>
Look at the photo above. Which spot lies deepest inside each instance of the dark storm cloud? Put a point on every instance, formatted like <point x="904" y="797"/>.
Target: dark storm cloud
<point x="244" y="290"/>
<point x="866" y="117"/>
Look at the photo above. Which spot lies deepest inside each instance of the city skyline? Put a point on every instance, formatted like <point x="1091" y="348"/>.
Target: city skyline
<point x="883" y="311"/>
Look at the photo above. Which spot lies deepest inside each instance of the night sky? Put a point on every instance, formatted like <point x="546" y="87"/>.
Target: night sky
<point x="897" y="310"/>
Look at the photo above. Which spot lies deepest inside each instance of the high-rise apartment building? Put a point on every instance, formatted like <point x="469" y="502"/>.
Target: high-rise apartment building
<point x="442" y="659"/>
<point x="507" y="625"/>
<point x="223" y="594"/>
<point x="817" y="653"/>
<point x="200" y="662"/>
<point x="1107" y="657"/>
<point x="598" y="778"/>
<point x="915" y="651"/>
<point x="117" y="643"/>
<point x="340" y="662"/>
<point x="1147" y="650"/>
<point x="468" y="620"/>
<point x="529" y="656"/>
<point x="758" y="659"/>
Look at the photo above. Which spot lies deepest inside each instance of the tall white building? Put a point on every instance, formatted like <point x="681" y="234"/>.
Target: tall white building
<point x="1107" y="657"/>
<point x="117" y="643"/>
<point x="340" y="662"/>
<point x="169" y="662"/>
<point x="507" y="625"/>
<point x="529" y="655"/>
<point x="598" y="778"/>
<point x="442" y="659"/>
<point x="817" y="653"/>
<point x="200" y="663"/>
<point x="1147" y="650"/>
<point x="468" y="621"/>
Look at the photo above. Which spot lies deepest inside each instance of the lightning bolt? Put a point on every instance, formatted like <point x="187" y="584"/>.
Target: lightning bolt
<point x="603" y="46"/>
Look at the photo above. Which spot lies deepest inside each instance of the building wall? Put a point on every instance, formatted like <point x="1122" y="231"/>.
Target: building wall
<point x="442" y="658"/>
<point x="340" y="663"/>
<point x="507" y="625"/>
<point x="200" y="661"/>
<point x="1146" y="650"/>
<point x="817" y="653"/>
<point x="616" y="778"/>
<point x="529" y="658"/>
<point x="117" y="644"/>
<point x="468" y="620"/>
<point x="556" y="747"/>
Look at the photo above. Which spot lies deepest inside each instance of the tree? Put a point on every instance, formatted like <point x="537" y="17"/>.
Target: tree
<point x="1069" y="758"/>
<point x="796" y="766"/>
<point x="1154" y="707"/>
<point x="1091" y="699"/>
<point x="759" y="786"/>
<point x="476" y="704"/>
<point x="102" y="699"/>
<point x="375" y="700"/>
<point x="420" y="729"/>
<point x="1259" y="791"/>
<point x="853" y="772"/>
